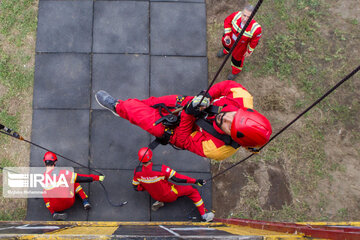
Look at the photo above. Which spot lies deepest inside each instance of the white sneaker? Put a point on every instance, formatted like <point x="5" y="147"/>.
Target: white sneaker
<point x="208" y="217"/>
<point x="156" y="205"/>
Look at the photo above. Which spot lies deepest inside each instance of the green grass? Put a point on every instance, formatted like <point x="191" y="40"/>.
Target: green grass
<point x="13" y="214"/>
<point x="295" y="212"/>
<point x="17" y="21"/>
<point x="17" y="27"/>
<point x="302" y="48"/>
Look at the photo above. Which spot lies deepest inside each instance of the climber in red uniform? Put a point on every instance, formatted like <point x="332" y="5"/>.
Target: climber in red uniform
<point x="216" y="128"/>
<point x="155" y="178"/>
<point x="58" y="204"/>
<point x="233" y="25"/>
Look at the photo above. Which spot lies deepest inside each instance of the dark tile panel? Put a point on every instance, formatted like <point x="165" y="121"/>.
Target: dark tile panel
<point x="119" y="186"/>
<point x="64" y="26"/>
<point x="62" y="81"/>
<point x="121" y="27"/>
<point x="122" y="75"/>
<point x="178" y="28"/>
<point x="115" y="141"/>
<point x="63" y="131"/>
<point x="178" y="75"/>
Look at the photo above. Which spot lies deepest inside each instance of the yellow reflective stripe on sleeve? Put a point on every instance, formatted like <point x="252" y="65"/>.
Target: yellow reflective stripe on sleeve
<point x="245" y="95"/>
<point x="248" y="34"/>
<point x="250" y="49"/>
<point x="254" y="27"/>
<point x="78" y="189"/>
<point x="199" y="203"/>
<point x="227" y="30"/>
<point x="152" y="180"/>
<point x="174" y="189"/>
<point x="47" y="204"/>
<point x="74" y="176"/>
<point x="135" y="182"/>
<point x="172" y="173"/>
<point x="213" y="152"/>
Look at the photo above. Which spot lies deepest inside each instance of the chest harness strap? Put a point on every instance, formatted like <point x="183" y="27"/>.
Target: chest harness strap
<point x="208" y="127"/>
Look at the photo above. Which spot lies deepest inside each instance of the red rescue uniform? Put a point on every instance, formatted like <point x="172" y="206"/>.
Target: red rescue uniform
<point x="188" y="135"/>
<point x="247" y="43"/>
<point x="154" y="179"/>
<point x="68" y="194"/>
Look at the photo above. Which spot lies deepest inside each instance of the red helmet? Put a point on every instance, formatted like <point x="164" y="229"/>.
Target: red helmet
<point x="145" y="154"/>
<point x="49" y="156"/>
<point x="250" y="129"/>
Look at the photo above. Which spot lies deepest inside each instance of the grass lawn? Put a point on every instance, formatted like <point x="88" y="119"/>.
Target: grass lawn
<point x="18" y="19"/>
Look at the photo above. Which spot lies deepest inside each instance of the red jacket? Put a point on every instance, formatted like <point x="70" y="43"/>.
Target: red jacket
<point x="250" y="38"/>
<point x="189" y="136"/>
<point x="154" y="179"/>
<point x="56" y="204"/>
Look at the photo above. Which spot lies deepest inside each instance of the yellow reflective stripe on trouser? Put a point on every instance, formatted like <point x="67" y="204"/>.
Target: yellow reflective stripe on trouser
<point x="174" y="189"/>
<point x="240" y="68"/>
<point x="47" y="204"/>
<point x="78" y="189"/>
<point x="199" y="203"/>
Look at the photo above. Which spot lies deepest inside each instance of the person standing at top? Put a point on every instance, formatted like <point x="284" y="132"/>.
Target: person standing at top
<point x="233" y="25"/>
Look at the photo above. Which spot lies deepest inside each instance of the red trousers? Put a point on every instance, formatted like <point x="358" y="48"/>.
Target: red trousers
<point x="188" y="191"/>
<point x="140" y="112"/>
<point x="237" y="58"/>
<point x="79" y="191"/>
<point x="61" y="204"/>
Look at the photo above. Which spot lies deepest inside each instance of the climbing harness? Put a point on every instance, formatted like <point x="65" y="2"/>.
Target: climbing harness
<point x="170" y="121"/>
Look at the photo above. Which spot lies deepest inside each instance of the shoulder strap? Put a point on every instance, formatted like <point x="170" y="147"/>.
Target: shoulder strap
<point x="210" y="129"/>
<point x="138" y="169"/>
<point x="157" y="167"/>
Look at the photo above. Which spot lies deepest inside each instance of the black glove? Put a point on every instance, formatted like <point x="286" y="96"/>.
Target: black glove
<point x="59" y="216"/>
<point x="193" y="108"/>
<point x="200" y="182"/>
